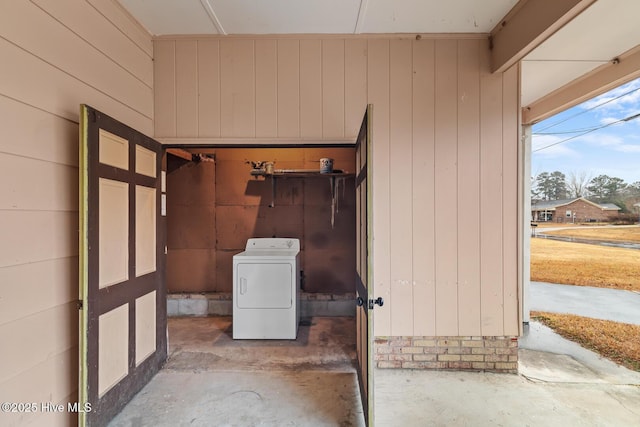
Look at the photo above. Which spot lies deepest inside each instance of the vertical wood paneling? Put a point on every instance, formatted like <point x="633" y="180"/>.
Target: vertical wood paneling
<point x="237" y="88"/>
<point x="165" y="88"/>
<point x="468" y="187"/>
<point x="443" y="176"/>
<point x="355" y="85"/>
<point x="511" y="248"/>
<point x="288" y="88"/>
<point x="310" y="88"/>
<point x="378" y="95"/>
<point x="401" y="185"/>
<point x="423" y="179"/>
<point x="266" y="88"/>
<point x="491" y="194"/>
<point x="208" y="88"/>
<point x="333" y="88"/>
<point x="446" y="178"/>
<point x="186" y="88"/>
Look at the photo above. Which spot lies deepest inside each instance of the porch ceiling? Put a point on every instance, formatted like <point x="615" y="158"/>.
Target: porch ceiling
<point x="587" y="44"/>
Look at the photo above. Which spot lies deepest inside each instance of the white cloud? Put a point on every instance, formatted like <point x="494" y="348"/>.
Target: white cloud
<point x="545" y="143"/>
<point x="615" y="103"/>
<point x="620" y="143"/>
<point x="629" y="148"/>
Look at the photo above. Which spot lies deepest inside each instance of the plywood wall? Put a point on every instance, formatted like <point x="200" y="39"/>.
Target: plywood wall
<point x="55" y="56"/>
<point x="445" y="154"/>
<point x="213" y="208"/>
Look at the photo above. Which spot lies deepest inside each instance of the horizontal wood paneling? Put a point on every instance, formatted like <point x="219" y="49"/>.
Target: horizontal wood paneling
<point x="37" y="342"/>
<point x="57" y="45"/>
<point x="41" y="135"/>
<point x="54" y="188"/>
<point x="60" y="276"/>
<point x="29" y="236"/>
<point x="54" y="377"/>
<point x="31" y="80"/>
<point x="125" y="23"/>
<point x="444" y="160"/>
<point x="55" y="56"/>
<point x="117" y="43"/>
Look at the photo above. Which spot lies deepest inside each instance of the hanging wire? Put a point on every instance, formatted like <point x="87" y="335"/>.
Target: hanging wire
<point x="589" y="109"/>
<point x="626" y="119"/>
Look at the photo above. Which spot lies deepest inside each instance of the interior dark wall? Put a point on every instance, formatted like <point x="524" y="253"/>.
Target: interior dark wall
<point x="191" y="232"/>
<point x="213" y="208"/>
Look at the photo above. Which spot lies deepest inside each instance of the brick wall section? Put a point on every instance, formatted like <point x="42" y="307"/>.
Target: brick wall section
<point x="491" y="354"/>
<point x="584" y="211"/>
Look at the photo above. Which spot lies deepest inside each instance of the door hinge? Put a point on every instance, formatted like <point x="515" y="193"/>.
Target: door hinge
<point x="79" y="304"/>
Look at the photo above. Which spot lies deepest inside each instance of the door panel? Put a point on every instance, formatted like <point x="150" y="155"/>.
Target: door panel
<point x="123" y="340"/>
<point x="364" y="285"/>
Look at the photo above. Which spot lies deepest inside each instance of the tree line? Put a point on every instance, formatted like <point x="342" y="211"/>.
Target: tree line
<point x="600" y="189"/>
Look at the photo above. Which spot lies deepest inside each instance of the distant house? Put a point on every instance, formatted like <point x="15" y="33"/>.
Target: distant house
<point x="572" y="210"/>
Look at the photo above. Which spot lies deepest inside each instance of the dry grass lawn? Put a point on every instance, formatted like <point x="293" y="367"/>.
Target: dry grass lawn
<point x="585" y="265"/>
<point x="619" y="342"/>
<point x="621" y="234"/>
<point x="591" y="265"/>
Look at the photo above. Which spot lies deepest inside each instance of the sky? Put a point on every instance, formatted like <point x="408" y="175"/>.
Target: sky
<point x="592" y="137"/>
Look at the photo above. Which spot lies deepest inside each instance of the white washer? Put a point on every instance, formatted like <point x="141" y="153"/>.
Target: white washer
<point x="266" y="285"/>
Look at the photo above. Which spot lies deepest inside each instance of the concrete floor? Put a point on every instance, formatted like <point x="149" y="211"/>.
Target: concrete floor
<point x="597" y="303"/>
<point x="211" y="380"/>
<point x="559" y="384"/>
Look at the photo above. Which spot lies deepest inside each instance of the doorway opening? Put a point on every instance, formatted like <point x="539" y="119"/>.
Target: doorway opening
<point x="218" y="198"/>
<point x="584" y="185"/>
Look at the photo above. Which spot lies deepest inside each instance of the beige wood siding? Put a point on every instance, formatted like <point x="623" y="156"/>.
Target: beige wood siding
<point x="55" y="56"/>
<point x="445" y="151"/>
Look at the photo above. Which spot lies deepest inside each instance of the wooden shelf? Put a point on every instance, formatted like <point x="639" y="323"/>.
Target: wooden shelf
<point x="302" y="174"/>
<point x="309" y="175"/>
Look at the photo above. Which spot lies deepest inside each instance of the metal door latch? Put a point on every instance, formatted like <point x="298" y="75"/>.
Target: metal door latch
<point x="373" y="302"/>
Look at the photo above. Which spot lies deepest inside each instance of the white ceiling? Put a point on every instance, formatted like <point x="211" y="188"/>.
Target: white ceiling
<point x="605" y="30"/>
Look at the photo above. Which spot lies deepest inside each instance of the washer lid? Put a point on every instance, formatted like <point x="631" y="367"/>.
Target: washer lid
<point x="266" y="254"/>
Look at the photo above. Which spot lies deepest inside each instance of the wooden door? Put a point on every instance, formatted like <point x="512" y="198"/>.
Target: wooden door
<point x="123" y="332"/>
<point x="364" y="285"/>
